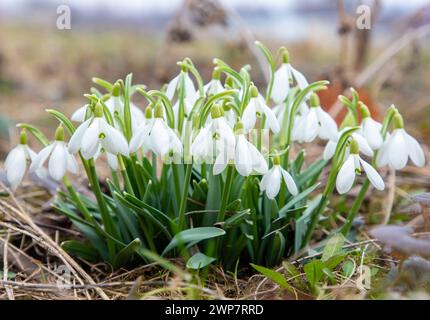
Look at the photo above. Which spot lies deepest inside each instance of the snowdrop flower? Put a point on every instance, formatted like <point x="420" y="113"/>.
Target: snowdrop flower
<point x="315" y="123"/>
<point x="214" y="86"/>
<point x="351" y="167"/>
<point x="115" y="106"/>
<point x="370" y="129"/>
<point x="156" y="135"/>
<point x="271" y="181"/>
<point x="363" y="145"/>
<point x="190" y="93"/>
<point x="246" y="157"/>
<point x="256" y="108"/>
<point x="400" y="146"/>
<point x="215" y="138"/>
<point x="281" y="81"/>
<point x="95" y="133"/>
<point x="17" y="160"/>
<point x="60" y="160"/>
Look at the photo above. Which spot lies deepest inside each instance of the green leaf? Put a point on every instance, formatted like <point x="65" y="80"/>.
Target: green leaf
<point x="273" y="275"/>
<point x="81" y="250"/>
<point x="348" y="268"/>
<point x="236" y="219"/>
<point x="314" y="272"/>
<point x="199" y="261"/>
<point x="334" y="261"/>
<point x="301" y="196"/>
<point x="124" y="256"/>
<point x="301" y="223"/>
<point x="35" y="132"/>
<point x="63" y="119"/>
<point x="103" y="83"/>
<point x="333" y="246"/>
<point x="194" y="236"/>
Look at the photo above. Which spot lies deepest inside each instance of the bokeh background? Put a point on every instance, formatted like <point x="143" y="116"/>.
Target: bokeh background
<point x="42" y="66"/>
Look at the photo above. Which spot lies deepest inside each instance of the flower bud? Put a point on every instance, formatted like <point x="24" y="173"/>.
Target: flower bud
<point x="98" y="110"/>
<point x="254" y="91"/>
<point x="398" y="121"/>
<point x="23" y="137"/>
<point x="116" y="89"/>
<point x="158" y="112"/>
<point x="314" y="100"/>
<point x="216" y="111"/>
<point x="59" y="133"/>
<point x="353" y="147"/>
<point x="364" y="110"/>
<point x="148" y="112"/>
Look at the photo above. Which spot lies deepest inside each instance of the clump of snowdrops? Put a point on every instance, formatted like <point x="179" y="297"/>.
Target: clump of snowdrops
<point x="215" y="172"/>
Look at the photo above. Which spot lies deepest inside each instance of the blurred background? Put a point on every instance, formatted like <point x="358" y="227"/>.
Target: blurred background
<point x="44" y="66"/>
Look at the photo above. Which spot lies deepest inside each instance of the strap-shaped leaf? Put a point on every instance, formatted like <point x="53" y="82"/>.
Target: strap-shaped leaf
<point x="194" y="236"/>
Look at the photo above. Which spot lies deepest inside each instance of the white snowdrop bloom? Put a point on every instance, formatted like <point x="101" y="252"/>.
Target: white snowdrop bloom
<point x="214" y="86"/>
<point x="363" y="145"/>
<point x="400" y="146"/>
<point x="271" y="181"/>
<point x="315" y="123"/>
<point x="60" y="160"/>
<point x="247" y="159"/>
<point x="281" y="82"/>
<point x="156" y="135"/>
<point x="351" y="167"/>
<point x="116" y="106"/>
<point x="370" y="129"/>
<point x="17" y="160"/>
<point x="112" y="161"/>
<point x="256" y="108"/>
<point x="95" y="133"/>
<point x="215" y="138"/>
<point x="80" y="113"/>
<point x="190" y="93"/>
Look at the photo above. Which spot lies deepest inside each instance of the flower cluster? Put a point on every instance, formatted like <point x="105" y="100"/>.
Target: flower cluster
<point x="222" y="137"/>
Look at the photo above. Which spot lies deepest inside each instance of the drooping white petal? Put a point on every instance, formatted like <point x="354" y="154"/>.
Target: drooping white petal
<point x="76" y="139"/>
<point x="373" y="175"/>
<point x="281" y="84"/>
<point x="72" y="164"/>
<point x="329" y="150"/>
<point x="259" y="164"/>
<point x="363" y="146"/>
<point x="171" y="87"/>
<point x="299" y="77"/>
<point x="114" y="141"/>
<point x="243" y="158"/>
<point x="274" y="183"/>
<point x="249" y="115"/>
<point x="112" y="161"/>
<point x="371" y="131"/>
<point x="309" y="125"/>
<point x="346" y="176"/>
<point x="58" y="161"/>
<point x="91" y="137"/>
<point x="40" y="158"/>
<point x="398" y="152"/>
<point x="79" y="114"/>
<point x="221" y="162"/>
<point x="416" y="153"/>
<point x="271" y="119"/>
<point x="159" y="138"/>
<point x="328" y="127"/>
<point x="289" y="181"/>
<point x="17" y="164"/>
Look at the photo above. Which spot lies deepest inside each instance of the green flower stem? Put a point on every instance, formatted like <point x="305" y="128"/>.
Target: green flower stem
<point x="127" y="183"/>
<point x="106" y="218"/>
<point x="184" y="198"/>
<point x="226" y="193"/>
<point x="331" y="183"/>
<point x="360" y="197"/>
<point x="140" y="186"/>
<point x="355" y="207"/>
<point x="176" y="183"/>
